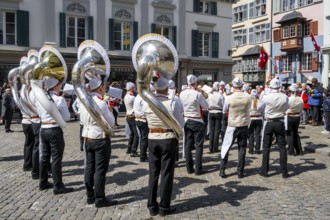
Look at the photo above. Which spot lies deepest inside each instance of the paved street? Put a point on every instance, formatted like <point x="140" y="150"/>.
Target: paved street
<point x="305" y="195"/>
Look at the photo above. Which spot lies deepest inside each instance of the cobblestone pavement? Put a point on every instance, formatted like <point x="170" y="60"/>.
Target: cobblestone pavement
<point x="305" y="195"/>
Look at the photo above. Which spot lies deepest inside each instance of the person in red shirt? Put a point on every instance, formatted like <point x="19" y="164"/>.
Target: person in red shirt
<point x="304" y="96"/>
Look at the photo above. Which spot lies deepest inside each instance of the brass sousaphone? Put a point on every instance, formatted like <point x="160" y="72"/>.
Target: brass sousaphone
<point x="155" y="53"/>
<point x="52" y="64"/>
<point x="92" y="61"/>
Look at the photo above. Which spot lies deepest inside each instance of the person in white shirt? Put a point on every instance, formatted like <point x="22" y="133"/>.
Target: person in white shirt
<point x="76" y="108"/>
<point x="133" y="140"/>
<point x="52" y="139"/>
<point x="237" y="106"/>
<point x="162" y="143"/>
<point x="215" y="101"/>
<point x="255" y="124"/>
<point x="141" y="123"/>
<point x="296" y="104"/>
<point x="274" y="106"/>
<point x="193" y="102"/>
<point x="97" y="147"/>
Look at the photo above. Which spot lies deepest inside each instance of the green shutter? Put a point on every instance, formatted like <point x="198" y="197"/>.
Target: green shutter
<point x="23" y="28"/>
<point x="194" y="43"/>
<point x="215" y="44"/>
<point x="174" y="36"/>
<point x="196" y="5"/>
<point x="62" y="30"/>
<point x="90" y="28"/>
<point x="153" y="28"/>
<point x="111" y="34"/>
<point x="135" y="31"/>
<point x="214" y="10"/>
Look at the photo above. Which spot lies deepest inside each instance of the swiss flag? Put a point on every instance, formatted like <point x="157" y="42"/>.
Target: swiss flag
<point x="316" y="46"/>
<point x="263" y="58"/>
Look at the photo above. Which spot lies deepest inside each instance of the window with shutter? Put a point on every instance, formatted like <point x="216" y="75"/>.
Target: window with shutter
<point x="62" y="30"/>
<point x="90" y="28"/>
<point x="215" y="44"/>
<point x="196" y="5"/>
<point x="111" y="34"/>
<point x="22" y="28"/>
<point x="174" y="35"/>
<point x="153" y="28"/>
<point x="314" y="27"/>
<point x="214" y="10"/>
<point x="76" y="30"/>
<point x="194" y="43"/>
<point x="135" y="31"/>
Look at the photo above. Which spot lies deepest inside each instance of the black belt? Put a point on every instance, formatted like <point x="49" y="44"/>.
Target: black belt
<point x="274" y="119"/>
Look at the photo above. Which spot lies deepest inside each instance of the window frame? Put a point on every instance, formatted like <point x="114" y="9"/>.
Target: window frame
<point x="122" y="35"/>
<point x="205" y="5"/>
<point x="242" y="33"/>
<point x="293" y="30"/>
<point x="287" y="59"/>
<point x="162" y="31"/>
<point x="260" y="5"/>
<point x="285" y="31"/>
<point x="239" y="13"/>
<point x="4" y="27"/>
<point x="306" y="59"/>
<point x="76" y="30"/>
<point x="202" y="50"/>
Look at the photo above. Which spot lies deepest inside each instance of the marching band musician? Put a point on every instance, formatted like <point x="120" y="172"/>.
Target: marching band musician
<point x="35" y="121"/>
<point x="97" y="147"/>
<point x="215" y="102"/>
<point x="255" y="124"/>
<point x="274" y="106"/>
<point x="133" y="140"/>
<point x="194" y="129"/>
<point x="141" y="123"/>
<point x="52" y="139"/>
<point x="162" y="149"/>
<point x="28" y="143"/>
<point x="296" y="104"/>
<point x="237" y="106"/>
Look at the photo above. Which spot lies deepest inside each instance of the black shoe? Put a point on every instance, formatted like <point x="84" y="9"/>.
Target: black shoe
<point x="105" y="203"/>
<point x="190" y="171"/>
<point x="45" y="186"/>
<point x="117" y="124"/>
<point x="285" y="175"/>
<point x="134" y="154"/>
<point x="263" y="174"/>
<point x="240" y="175"/>
<point x="153" y="212"/>
<point x="9" y="131"/>
<point x="222" y="174"/>
<point x="35" y="177"/>
<point x="143" y="159"/>
<point x="198" y="173"/>
<point x="165" y="212"/>
<point x="250" y="151"/>
<point x="90" y="200"/>
<point x="62" y="190"/>
<point x="25" y="169"/>
<point x="258" y="152"/>
<point x="128" y="151"/>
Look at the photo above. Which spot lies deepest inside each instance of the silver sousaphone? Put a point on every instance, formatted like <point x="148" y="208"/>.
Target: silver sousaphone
<point x="154" y="52"/>
<point x="93" y="60"/>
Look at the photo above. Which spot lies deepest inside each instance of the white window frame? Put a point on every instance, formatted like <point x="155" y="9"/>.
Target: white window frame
<point x="204" y="47"/>
<point x="260" y="8"/>
<point x="306" y="63"/>
<point x="203" y="6"/>
<point x="239" y="13"/>
<point x="122" y="39"/>
<point x="285" y="32"/>
<point x="307" y="29"/>
<point x="292" y="30"/>
<point x="241" y="35"/>
<point x="287" y="59"/>
<point x="3" y="27"/>
<point x="76" y="42"/>
<point x="162" y="27"/>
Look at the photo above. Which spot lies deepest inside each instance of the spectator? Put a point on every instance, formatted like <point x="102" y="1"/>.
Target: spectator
<point x="315" y="101"/>
<point x="304" y="96"/>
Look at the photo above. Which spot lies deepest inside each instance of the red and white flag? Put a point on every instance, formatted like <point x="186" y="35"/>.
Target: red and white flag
<point x="263" y="58"/>
<point x="316" y="46"/>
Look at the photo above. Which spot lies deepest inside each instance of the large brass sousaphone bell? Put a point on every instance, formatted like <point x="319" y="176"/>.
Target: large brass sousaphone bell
<point x="51" y="64"/>
<point x="155" y="53"/>
<point x="93" y="61"/>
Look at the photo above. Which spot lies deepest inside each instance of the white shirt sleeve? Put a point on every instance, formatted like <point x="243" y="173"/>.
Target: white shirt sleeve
<point x="262" y="105"/>
<point x="225" y="106"/>
<point x="202" y="101"/>
<point x="108" y="116"/>
<point x="75" y="106"/>
<point x="177" y="113"/>
<point x="63" y="108"/>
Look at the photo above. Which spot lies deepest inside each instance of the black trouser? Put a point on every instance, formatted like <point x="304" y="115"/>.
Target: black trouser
<point x="98" y="153"/>
<point x="194" y="134"/>
<point x="35" y="154"/>
<point x="215" y="129"/>
<point x="294" y="145"/>
<point x="8" y="116"/>
<point x="316" y="116"/>
<point x="327" y="120"/>
<point x="133" y="139"/>
<point x="52" y="146"/>
<point x="205" y="120"/>
<point x="144" y="131"/>
<point x="241" y="134"/>
<point x="81" y="138"/>
<point x="255" y="134"/>
<point x="224" y="125"/>
<point x="277" y="128"/>
<point x="115" y="114"/>
<point x="161" y="161"/>
<point x="28" y="145"/>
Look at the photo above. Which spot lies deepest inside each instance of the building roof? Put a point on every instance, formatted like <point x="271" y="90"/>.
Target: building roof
<point x="252" y="51"/>
<point x="295" y="15"/>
